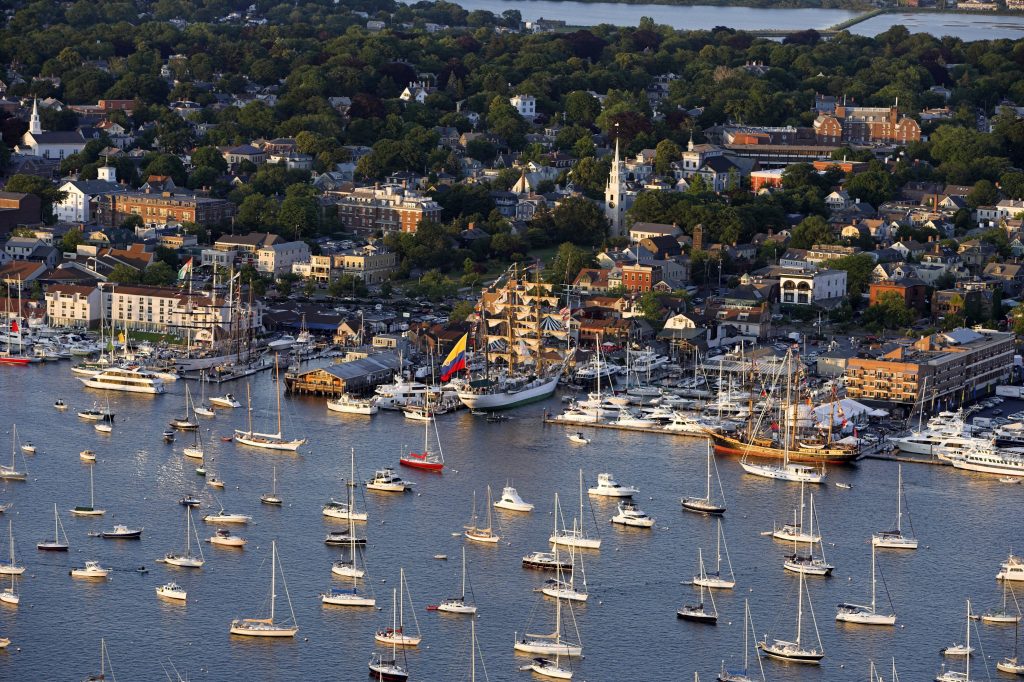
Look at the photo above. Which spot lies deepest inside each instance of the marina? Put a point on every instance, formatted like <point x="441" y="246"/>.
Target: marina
<point x="144" y="479"/>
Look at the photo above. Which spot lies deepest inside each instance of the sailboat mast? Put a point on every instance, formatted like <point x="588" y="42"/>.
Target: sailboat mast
<point x="463" y="572"/>
<point x="872" y="577"/>
<point x="277" y="376"/>
<point x="472" y="637"/>
<point x="746" y="647"/>
<point x="92" y="495"/>
<point x="899" y="498"/>
<point x="401" y="599"/>
<point x="581" y="500"/>
<point x="708" y="495"/>
<point x="248" y="399"/>
<point x="799" y="609"/>
<point x="273" y="578"/>
<point x="967" y="672"/>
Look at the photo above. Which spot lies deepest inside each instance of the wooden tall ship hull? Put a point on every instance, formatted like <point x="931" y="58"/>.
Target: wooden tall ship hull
<point x="762" y="448"/>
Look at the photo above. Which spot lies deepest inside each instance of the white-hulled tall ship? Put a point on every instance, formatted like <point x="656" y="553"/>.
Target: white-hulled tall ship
<point x="515" y="317"/>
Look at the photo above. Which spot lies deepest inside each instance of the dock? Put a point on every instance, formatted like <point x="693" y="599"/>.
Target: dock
<point x="657" y="430"/>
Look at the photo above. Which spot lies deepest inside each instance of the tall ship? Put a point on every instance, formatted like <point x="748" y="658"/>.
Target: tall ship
<point x="788" y="434"/>
<point x="524" y="338"/>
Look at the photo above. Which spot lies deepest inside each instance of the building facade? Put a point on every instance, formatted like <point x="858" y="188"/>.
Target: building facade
<point x="809" y="287"/>
<point x="388" y="209"/>
<point x="277" y="259"/>
<point x="161" y="208"/>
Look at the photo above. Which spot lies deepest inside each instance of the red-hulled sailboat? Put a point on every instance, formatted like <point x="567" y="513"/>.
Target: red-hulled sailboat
<point x="426" y="460"/>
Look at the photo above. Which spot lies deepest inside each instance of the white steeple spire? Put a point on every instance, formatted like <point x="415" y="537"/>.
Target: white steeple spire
<point x="614" y="193"/>
<point x="35" y="126"/>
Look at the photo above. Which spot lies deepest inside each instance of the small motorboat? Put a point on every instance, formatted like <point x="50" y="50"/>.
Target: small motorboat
<point x="607" y="486"/>
<point x="511" y="501"/>
<point x="441" y="557"/>
<point x="60" y="405"/>
<point x="87" y="455"/>
<point x="546" y="561"/>
<point x="173" y="591"/>
<point x="224" y="538"/>
<point x="189" y="501"/>
<point x="227" y="439"/>
<point x="122" y="532"/>
<point x="478" y="413"/>
<point x="384" y="480"/>
<point x="168" y="436"/>
<point x="579" y="438"/>
<point x="958" y="650"/>
<point x="631" y="515"/>
<point x="1009" y="479"/>
<point x="103" y="427"/>
<point x="495" y="418"/>
<point x="225" y="401"/>
<point x="91" y="570"/>
<point x="844" y="486"/>
<point x="200" y="470"/>
<point x="216" y="483"/>
<point x="28" y="448"/>
<point x="225" y="517"/>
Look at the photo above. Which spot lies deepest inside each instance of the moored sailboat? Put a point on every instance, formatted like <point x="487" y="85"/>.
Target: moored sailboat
<point x="715" y="579"/>
<point x="396" y="634"/>
<point x="484" y="534"/>
<point x="705" y="505"/>
<point x="895" y="539"/>
<point x="268" y="441"/>
<point x="795" y="651"/>
<point x="57" y="544"/>
<point x="426" y="460"/>
<point x="866" y="615"/>
<point x="268" y="627"/>
<point x="90" y="509"/>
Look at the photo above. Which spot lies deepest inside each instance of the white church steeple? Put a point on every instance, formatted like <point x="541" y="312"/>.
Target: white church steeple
<point x="35" y="126"/>
<point x="614" y="195"/>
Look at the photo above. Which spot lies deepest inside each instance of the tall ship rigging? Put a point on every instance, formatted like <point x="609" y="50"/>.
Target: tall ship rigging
<point x="524" y="337"/>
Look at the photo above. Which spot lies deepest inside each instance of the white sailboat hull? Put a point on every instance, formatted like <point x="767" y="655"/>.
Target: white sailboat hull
<point x="343" y="514"/>
<point x="564" y="593"/>
<point x="487" y="539"/>
<point x="398" y="639"/>
<point x="262" y="630"/>
<point x="347" y="599"/>
<point x="9" y="569"/>
<point x="575" y="541"/>
<point x="194" y="453"/>
<point x="866" y="618"/>
<point x="347" y="570"/>
<point x="798" y="473"/>
<point x="551" y="670"/>
<point x="367" y="408"/>
<point x="893" y="542"/>
<point x="8" y="597"/>
<point x="183" y="561"/>
<point x="714" y="582"/>
<point x="547" y="647"/>
<point x="456" y="606"/>
<point x="268" y="441"/>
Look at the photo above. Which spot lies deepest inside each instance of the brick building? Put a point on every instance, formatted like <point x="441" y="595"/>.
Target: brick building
<point x="866" y="125"/>
<point x="389" y="209"/>
<point x="16" y="209"/>
<point x="913" y="291"/>
<point x="161" y="208"/>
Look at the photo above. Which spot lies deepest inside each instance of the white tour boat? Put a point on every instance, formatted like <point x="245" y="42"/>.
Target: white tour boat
<point x="127" y="380"/>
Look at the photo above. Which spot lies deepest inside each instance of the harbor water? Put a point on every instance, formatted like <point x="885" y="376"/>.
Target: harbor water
<point x="966" y="524"/>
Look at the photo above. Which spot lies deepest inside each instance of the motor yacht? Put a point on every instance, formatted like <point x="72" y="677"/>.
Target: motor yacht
<point x="127" y="380"/>
<point x="511" y="501"/>
<point x="608" y="487"/>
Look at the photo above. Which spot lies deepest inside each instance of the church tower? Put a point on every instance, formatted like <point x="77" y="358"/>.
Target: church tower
<point x="614" y="196"/>
<point x="35" y="126"/>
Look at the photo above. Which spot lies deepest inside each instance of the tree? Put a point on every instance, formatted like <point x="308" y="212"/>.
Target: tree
<point x="504" y="120"/>
<point x="159" y="273"/>
<point x="347" y="285"/>
<point x="983" y="193"/>
<point x="209" y="157"/>
<point x="811" y="230"/>
<point x="432" y="285"/>
<point x="651" y="309"/>
<point x="579" y="221"/>
<point x="858" y="269"/>
<point x="299" y="216"/>
<point x="125" y="274"/>
<point x="1017" y="317"/>
<point x="460" y="311"/>
<point x="72" y="238"/>
<point x="666" y="153"/>
<point x="567" y="263"/>
<point x="582" y="108"/>
<point x="42" y="188"/>
<point x="889" y="312"/>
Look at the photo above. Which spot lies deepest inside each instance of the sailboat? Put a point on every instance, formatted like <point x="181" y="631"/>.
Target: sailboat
<point x="186" y="423"/>
<point x="267" y="627"/>
<point x="397" y="635"/>
<point x="1013" y="664"/>
<point x="346" y="510"/>
<point x="105" y="665"/>
<point x="866" y="615"/>
<point x="10" y="595"/>
<point x="952" y="675"/>
<point x="486" y="534"/>
<point x="348" y="569"/>
<point x="426" y="460"/>
<point x="11" y="567"/>
<point x="268" y="441"/>
<point x="729" y="676"/>
<point x="895" y="539"/>
<point x="796" y="651"/>
<point x="203" y="410"/>
<point x="186" y="559"/>
<point x="90" y="510"/>
<point x="808" y="563"/>
<point x="794" y="532"/>
<point x="388" y="668"/>
<point x="577" y="538"/>
<point x="1003" y="616"/>
<point x="196" y="450"/>
<point x="11" y="473"/>
<point x="559" y="587"/>
<point x="705" y="505"/>
<point x="458" y="604"/>
<point x="716" y="579"/>
<point x="549" y="645"/>
<point x="55" y="545"/>
<point x="271" y="497"/>
<point x="698" y="612"/>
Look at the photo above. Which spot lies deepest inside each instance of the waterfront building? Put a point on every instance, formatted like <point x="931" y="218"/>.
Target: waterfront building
<point x="957" y="365"/>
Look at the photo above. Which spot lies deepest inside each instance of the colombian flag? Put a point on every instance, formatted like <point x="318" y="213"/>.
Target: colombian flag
<point x="456" y="360"/>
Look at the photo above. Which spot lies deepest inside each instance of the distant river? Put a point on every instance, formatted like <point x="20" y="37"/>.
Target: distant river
<point x="701" y="17"/>
<point x="966" y="524"/>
